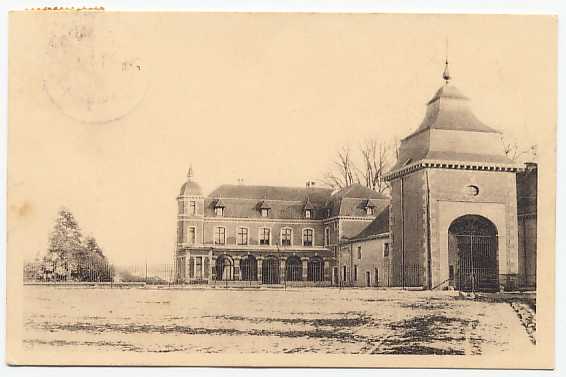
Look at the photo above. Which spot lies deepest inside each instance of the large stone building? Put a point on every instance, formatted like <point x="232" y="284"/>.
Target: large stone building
<point x="268" y="235"/>
<point x="452" y="219"/>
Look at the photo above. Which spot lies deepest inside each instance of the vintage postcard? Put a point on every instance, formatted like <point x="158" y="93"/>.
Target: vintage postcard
<point x="256" y="189"/>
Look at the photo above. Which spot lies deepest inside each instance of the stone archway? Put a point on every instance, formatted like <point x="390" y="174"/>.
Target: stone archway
<point x="472" y="254"/>
<point x="315" y="269"/>
<point x="248" y="267"/>
<point x="293" y="269"/>
<point x="224" y="268"/>
<point x="270" y="273"/>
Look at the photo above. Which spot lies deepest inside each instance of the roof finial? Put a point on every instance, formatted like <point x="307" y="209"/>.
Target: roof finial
<point x="190" y="172"/>
<point x="446" y="73"/>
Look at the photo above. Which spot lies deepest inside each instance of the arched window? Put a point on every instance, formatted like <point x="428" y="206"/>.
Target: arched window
<point x="220" y="235"/>
<point x="264" y="236"/>
<point x="286" y="236"/>
<point x="308" y="237"/>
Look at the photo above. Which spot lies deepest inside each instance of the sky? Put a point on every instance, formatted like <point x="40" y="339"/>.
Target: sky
<point x="108" y="111"/>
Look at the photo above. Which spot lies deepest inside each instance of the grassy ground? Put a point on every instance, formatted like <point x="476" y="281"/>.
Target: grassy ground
<point x="312" y="320"/>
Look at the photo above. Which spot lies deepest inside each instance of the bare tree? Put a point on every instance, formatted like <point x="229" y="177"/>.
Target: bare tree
<point x="517" y="153"/>
<point x="376" y="161"/>
<point x="367" y="167"/>
<point x="343" y="172"/>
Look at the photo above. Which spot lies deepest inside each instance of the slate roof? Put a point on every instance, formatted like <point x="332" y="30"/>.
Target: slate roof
<point x="449" y="110"/>
<point x="245" y="201"/>
<point x="378" y="226"/>
<point x="271" y="193"/>
<point x="190" y="188"/>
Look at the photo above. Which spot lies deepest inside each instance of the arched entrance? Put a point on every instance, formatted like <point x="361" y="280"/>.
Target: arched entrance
<point x="293" y="269"/>
<point x="315" y="269"/>
<point x="224" y="268"/>
<point x="248" y="266"/>
<point x="270" y="270"/>
<point x="472" y="254"/>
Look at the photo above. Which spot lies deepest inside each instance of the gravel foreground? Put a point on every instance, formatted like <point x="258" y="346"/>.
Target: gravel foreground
<point x="305" y="320"/>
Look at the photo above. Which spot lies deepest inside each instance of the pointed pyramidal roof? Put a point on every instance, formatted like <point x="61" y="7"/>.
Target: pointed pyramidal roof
<point x="449" y="109"/>
<point x="450" y="132"/>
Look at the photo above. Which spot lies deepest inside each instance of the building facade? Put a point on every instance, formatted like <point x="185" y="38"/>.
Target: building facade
<point x="460" y="214"/>
<point x="266" y="235"/>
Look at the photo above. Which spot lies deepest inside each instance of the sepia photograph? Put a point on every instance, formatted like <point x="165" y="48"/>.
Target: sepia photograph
<point x="281" y="189"/>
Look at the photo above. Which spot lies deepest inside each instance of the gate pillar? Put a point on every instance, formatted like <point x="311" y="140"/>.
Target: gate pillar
<point x="237" y="275"/>
<point x="305" y="262"/>
<point x="259" y="269"/>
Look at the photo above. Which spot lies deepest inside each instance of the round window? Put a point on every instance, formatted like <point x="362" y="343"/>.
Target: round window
<point x="472" y="190"/>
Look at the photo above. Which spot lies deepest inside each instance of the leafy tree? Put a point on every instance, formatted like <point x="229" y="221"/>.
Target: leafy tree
<point x="65" y="247"/>
<point x="70" y="256"/>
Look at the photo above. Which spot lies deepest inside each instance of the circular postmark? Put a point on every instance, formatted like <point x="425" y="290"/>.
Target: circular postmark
<point x="91" y="74"/>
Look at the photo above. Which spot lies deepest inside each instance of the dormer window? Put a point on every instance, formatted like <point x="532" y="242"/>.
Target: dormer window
<point x="264" y="209"/>
<point x="219" y="208"/>
<point x="308" y="213"/>
<point x="369" y="207"/>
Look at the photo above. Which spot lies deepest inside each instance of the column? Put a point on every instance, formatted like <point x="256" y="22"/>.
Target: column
<point x="259" y="268"/>
<point x="187" y="267"/>
<point x="326" y="275"/>
<point x="282" y="270"/>
<point x="206" y="267"/>
<point x="237" y="275"/>
<point x="195" y="267"/>
<point x="202" y="267"/>
<point x="213" y="268"/>
<point x="305" y="262"/>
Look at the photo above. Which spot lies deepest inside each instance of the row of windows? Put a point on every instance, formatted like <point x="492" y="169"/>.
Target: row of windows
<point x="219" y="211"/>
<point x="242" y="236"/>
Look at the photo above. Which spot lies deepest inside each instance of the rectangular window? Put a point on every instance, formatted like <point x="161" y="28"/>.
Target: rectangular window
<point x="243" y="236"/>
<point x="308" y="214"/>
<point x="343" y="273"/>
<point x="355" y="273"/>
<point x="286" y="234"/>
<point x="220" y="236"/>
<point x="359" y="252"/>
<point x="219" y="211"/>
<point x="191" y="235"/>
<point x="326" y="236"/>
<point x="264" y="212"/>
<point x="264" y="236"/>
<point x="193" y="207"/>
<point x="307" y="237"/>
<point x="386" y="249"/>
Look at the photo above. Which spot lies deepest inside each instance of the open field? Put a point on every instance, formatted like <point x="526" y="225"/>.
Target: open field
<point x="307" y="320"/>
